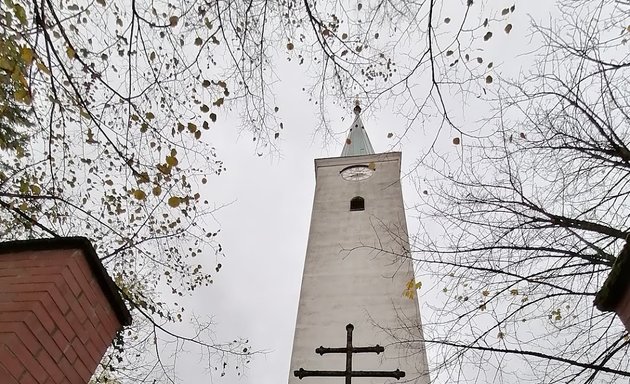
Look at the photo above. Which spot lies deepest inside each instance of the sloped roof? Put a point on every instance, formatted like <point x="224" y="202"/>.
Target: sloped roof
<point x="105" y="282"/>
<point x="358" y="142"/>
<point x="616" y="284"/>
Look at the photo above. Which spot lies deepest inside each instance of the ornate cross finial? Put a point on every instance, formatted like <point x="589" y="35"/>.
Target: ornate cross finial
<point x="349" y="350"/>
<point x="357" y="107"/>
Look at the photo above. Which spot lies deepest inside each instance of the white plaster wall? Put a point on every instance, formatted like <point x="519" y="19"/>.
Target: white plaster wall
<point x="347" y="280"/>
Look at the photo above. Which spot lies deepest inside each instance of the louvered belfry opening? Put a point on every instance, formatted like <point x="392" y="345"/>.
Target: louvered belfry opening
<point x="357" y="204"/>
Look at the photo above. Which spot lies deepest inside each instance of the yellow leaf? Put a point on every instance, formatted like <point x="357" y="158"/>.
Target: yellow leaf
<point x="36" y="189"/>
<point x="372" y="166"/>
<point x="6" y="64"/>
<point x="142" y="177"/>
<point x="43" y="67"/>
<point x="20" y="13"/>
<point x="27" y="55"/>
<point x="70" y="52"/>
<point x="22" y="96"/>
<point x="174" y="201"/>
<point x="165" y="169"/>
<point x="18" y="76"/>
<point x="157" y="190"/>
<point x="171" y="160"/>
<point x="410" y="289"/>
<point x="139" y="194"/>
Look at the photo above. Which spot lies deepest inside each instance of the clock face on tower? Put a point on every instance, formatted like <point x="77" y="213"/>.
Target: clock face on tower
<point x="356" y="172"/>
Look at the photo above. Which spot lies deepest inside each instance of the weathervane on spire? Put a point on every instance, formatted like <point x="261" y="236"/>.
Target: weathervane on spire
<point x="357" y="107"/>
<point x="357" y="142"/>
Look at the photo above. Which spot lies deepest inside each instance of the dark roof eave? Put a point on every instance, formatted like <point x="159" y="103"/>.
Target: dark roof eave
<point x="106" y="283"/>
<point x="616" y="284"/>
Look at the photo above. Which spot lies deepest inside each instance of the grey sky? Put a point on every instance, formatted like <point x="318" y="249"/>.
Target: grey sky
<point x="264" y="230"/>
<point x="264" y="233"/>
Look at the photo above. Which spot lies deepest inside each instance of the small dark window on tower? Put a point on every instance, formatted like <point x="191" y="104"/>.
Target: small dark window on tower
<point x="357" y="204"/>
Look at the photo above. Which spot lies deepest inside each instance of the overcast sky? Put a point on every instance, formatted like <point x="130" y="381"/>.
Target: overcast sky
<point x="264" y="233"/>
<point x="264" y="228"/>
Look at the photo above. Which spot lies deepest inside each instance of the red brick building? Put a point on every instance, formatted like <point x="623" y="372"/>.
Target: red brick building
<point x="614" y="295"/>
<point x="59" y="311"/>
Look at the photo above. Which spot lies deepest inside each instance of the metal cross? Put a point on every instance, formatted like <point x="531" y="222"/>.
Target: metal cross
<point x="349" y="373"/>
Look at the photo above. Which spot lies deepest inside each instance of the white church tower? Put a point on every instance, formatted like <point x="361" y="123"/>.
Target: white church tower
<point x="354" y="320"/>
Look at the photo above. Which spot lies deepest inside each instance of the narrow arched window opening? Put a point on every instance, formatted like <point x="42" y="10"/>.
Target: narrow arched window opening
<point x="357" y="204"/>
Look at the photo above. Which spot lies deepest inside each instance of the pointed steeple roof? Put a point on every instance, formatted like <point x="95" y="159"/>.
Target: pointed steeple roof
<point x="358" y="142"/>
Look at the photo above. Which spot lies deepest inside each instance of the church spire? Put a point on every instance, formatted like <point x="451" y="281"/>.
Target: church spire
<point x="358" y="142"/>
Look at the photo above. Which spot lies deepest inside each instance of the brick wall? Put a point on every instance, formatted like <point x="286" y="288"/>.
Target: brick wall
<point x="623" y="309"/>
<point x="614" y="296"/>
<point x="56" y="322"/>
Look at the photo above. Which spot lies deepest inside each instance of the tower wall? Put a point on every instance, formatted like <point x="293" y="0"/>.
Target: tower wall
<point x="356" y="272"/>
